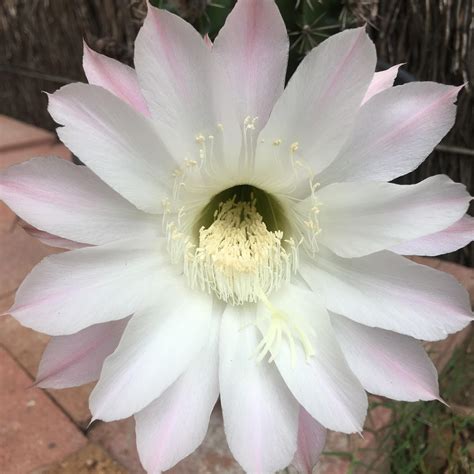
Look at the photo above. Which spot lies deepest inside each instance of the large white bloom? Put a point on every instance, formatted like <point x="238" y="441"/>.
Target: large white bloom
<point x="233" y="239"/>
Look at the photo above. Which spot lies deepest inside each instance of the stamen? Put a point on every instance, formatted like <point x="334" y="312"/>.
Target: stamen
<point x="237" y="257"/>
<point x="283" y="326"/>
<point x="249" y="147"/>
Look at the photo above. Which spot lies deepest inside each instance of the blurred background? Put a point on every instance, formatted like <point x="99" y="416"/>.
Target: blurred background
<point x="41" y="50"/>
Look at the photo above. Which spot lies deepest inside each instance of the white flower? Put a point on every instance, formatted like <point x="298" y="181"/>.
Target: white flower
<point x="234" y="239"/>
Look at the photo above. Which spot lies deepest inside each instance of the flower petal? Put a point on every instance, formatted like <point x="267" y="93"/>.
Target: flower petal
<point x="114" y="76"/>
<point x="252" y="49"/>
<point x="394" y="132"/>
<point x="382" y="80"/>
<point x="322" y="383"/>
<point x="68" y="292"/>
<point x="77" y="359"/>
<point x="260" y="414"/>
<point x="387" y="363"/>
<point x="120" y="145"/>
<point x="311" y="441"/>
<point x="174" y="425"/>
<point x="174" y="70"/>
<point x="317" y="109"/>
<point x="388" y="291"/>
<point x="357" y="220"/>
<point x="51" y="239"/>
<point x="157" y="346"/>
<point x="456" y="236"/>
<point x="69" y="201"/>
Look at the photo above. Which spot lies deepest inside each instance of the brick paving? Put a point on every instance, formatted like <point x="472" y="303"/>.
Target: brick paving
<point x="45" y="432"/>
<point x="33" y="431"/>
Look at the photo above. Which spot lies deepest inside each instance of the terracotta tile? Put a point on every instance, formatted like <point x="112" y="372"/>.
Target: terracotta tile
<point x="7" y="218"/>
<point x="33" y="430"/>
<point x="27" y="346"/>
<point x="24" y="344"/>
<point x="15" y="134"/>
<point x="91" y="459"/>
<point x="75" y="402"/>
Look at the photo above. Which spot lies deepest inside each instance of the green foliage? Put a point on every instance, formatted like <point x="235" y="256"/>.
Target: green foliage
<point x="308" y="21"/>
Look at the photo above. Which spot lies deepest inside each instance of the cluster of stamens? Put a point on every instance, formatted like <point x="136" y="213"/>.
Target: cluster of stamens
<point x="233" y="253"/>
<point x="237" y="257"/>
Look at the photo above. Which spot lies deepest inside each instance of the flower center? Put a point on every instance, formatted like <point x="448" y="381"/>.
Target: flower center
<point x="240" y="249"/>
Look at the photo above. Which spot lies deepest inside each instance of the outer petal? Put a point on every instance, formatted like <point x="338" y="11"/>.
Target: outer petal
<point x="174" y="70"/>
<point x="51" y="239"/>
<point x="157" y="346"/>
<point x="311" y="441"/>
<point x="114" y="76"/>
<point x="456" y="236"/>
<point x="119" y="144"/>
<point x="317" y="109"/>
<point x="360" y="219"/>
<point x="382" y="80"/>
<point x="388" y="291"/>
<point x="260" y="414"/>
<point x="395" y="131"/>
<point x="71" y="291"/>
<point x="69" y="201"/>
<point x="173" y="426"/>
<point x="77" y="359"/>
<point x="387" y="363"/>
<point x="322" y="383"/>
<point x="252" y="48"/>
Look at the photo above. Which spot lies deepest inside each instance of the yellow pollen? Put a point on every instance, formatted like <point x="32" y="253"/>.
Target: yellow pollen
<point x="277" y="142"/>
<point x="200" y="139"/>
<point x="294" y="147"/>
<point x="237" y="257"/>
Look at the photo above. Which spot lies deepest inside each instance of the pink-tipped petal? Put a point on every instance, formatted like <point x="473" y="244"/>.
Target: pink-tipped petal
<point x="114" y="76"/>
<point x="316" y="112"/>
<point x="387" y="363"/>
<point x="394" y="132"/>
<point x="260" y="414"/>
<point x="157" y="346"/>
<point x="69" y="361"/>
<point x="311" y="441"/>
<point x="390" y="292"/>
<point x="321" y="381"/>
<point x="456" y="236"/>
<point x="208" y="41"/>
<point x="357" y="220"/>
<point x="252" y="49"/>
<point x="174" y="69"/>
<point x="68" y="292"/>
<point x="119" y="144"/>
<point x="174" y="425"/>
<point x="382" y="80"/>
<point x="72" y="203"/>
